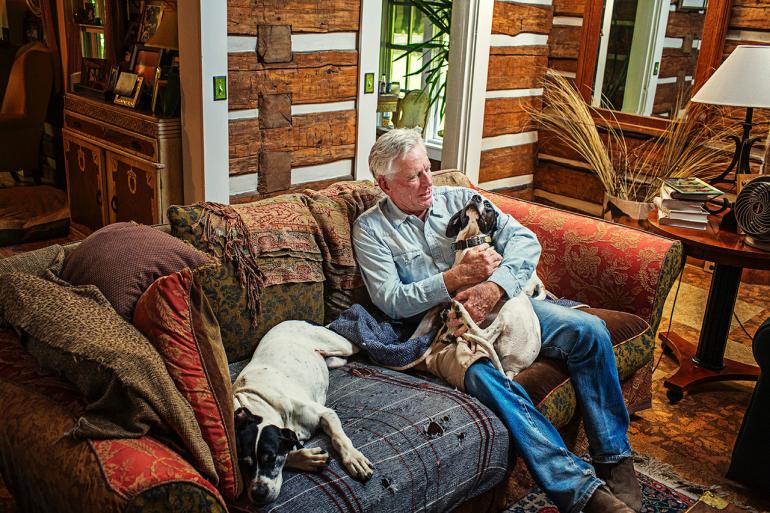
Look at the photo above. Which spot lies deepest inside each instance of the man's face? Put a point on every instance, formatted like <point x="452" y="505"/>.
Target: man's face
<point x="410" y="185"/>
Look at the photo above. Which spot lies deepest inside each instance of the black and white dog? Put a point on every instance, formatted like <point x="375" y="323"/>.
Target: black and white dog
<point x="280" y="401"/>
<point x="512" y="333"/>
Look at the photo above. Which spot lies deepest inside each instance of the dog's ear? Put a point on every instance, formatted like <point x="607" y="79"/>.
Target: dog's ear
<point x="244" y="417"/>
<point x="289" y="439"/>
<point x="456" y="223"/>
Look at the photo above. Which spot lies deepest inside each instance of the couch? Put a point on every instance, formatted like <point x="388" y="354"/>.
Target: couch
<point x="435" y="448"/>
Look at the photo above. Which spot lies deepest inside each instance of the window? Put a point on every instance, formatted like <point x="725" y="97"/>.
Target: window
<point x="406" y="26"/>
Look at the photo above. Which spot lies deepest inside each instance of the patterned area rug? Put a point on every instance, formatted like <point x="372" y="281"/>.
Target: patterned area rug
<point x="662" y="490"/>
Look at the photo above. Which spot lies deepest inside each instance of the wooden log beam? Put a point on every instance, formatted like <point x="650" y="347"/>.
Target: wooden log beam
<point x="511" y="18"/>
<point x="311" y="16"/>
<point x="564" y="42"/>
<point x="516" y="67"/>
<point x="569" y="182"/>
<point x="311" y="139"/>
<point x="508" y="115"/>
<point x="685" y="23"/>
<point x="507" y="162"/>
<point x="568" y="7"/>
<point x="312" y="77"/>
<point x="750" y="15"/>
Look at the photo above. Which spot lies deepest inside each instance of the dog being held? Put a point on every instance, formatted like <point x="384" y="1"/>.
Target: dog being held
<point x="512" y="332"/>
<point x="280" y="401"/>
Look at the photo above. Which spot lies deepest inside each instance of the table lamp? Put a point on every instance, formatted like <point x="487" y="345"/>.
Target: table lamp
<point x="743" y="80"/>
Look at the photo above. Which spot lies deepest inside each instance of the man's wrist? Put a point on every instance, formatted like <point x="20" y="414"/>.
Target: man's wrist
<point x="496" y="289"/>
<point x="453" y="280"/>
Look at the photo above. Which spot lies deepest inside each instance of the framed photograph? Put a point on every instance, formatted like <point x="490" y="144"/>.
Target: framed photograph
<point x="112" y="78"/>
<point x="94" y="73"/>
<point x="145" y="61"/>
<point x="150" y="21"/>
<point x="131" y="84"/>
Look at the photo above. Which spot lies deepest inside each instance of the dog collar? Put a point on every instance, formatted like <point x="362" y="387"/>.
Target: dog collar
<point x="478" y="240"/>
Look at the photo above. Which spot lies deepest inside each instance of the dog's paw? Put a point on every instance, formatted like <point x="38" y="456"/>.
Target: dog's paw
<point x="311" y="459"/>
<point x="357" y="465"/>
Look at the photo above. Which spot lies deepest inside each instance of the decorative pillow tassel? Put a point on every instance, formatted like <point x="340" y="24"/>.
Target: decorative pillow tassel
<point x="236" y="247"/>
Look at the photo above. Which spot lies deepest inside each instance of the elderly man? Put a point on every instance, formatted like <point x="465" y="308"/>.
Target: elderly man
<point x="406" y="262"/>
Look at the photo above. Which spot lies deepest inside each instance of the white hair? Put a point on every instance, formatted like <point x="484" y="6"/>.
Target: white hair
<point x="393" y="145"/>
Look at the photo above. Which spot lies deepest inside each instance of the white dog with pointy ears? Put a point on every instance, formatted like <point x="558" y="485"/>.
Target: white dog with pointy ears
<point x="280" y="401"/>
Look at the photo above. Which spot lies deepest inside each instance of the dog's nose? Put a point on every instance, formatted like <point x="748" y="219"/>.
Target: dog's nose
<point x="476" y="198"/>
<point x="258" y="493"/>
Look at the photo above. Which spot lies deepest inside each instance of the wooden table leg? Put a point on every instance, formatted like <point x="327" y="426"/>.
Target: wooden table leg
<point x="691" y="374"/>
<point x="707" y="363"/>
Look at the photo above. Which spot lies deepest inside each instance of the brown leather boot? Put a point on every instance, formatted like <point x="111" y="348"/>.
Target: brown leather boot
<point x="621" y="480"/>
<point x="602" y="501"/>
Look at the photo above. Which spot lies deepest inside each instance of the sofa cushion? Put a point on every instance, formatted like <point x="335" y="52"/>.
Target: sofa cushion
<point x="174" y="314"/>
<point x="107" y="475"/>
<point x="74" y="332"/>
<point x="123" y="259"/>
<point x="278" y="303"/>
<point x="432" y="447"/>
<point x="547" y="380"/>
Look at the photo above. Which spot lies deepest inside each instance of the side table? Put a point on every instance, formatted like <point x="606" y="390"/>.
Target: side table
<point x="730" y="255"/>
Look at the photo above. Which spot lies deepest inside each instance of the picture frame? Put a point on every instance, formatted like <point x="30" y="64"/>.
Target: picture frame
<point x="94" y="73"/>
<point x="151" y="16"/>
<point x="112" y="77"/>
<point x="155" y="87"/>
<point x="131" y="99"/>
<point x="145" y="61"/>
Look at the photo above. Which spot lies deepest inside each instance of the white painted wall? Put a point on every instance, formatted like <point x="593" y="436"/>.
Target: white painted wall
<point x="368" y="62"/>
<point x="203" y="55"/>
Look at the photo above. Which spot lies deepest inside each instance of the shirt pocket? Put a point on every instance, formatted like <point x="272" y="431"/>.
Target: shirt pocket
<point x="411" y="266"/>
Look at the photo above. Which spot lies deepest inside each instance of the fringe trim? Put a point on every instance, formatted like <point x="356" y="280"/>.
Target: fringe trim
<point x="236" y="248"/>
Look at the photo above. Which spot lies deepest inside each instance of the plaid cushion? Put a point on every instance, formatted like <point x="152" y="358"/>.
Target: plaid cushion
<point x="432" y="447"/>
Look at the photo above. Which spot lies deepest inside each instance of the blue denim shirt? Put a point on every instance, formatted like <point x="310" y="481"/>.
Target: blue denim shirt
<point x="402" y="258"/>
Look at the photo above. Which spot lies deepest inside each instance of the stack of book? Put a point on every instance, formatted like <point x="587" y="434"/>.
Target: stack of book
<point x="681" y="201"/>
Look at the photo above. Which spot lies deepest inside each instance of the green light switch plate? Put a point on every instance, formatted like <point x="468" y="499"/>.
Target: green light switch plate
<point x="220" y="88"/>
<point x="368" y="83"/>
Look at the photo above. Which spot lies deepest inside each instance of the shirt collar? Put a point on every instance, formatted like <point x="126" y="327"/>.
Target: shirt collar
<point x="396" y="215"/>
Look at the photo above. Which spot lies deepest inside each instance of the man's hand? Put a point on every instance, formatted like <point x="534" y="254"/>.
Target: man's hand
<point x="477" y="265"/>
<point x="478" y="300"/>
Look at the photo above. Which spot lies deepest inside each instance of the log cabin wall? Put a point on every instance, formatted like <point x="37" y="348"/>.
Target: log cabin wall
<point x="293" y="71"/>
<point x="560" y="177"/>
<point x="518" y="58"/>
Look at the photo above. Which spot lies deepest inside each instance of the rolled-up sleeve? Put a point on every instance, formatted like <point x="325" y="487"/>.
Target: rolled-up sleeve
<point x="398" y="300"/>
<point x="520" y="250"/>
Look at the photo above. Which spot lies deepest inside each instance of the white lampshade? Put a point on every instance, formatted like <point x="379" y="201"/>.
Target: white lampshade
<point x="743" y="80"/>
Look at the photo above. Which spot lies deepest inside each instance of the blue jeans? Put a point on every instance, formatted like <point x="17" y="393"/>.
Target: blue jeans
<point x="582" y="341"/>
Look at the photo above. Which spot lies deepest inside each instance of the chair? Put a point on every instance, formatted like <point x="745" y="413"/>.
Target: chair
<point x="412" y="110"/>
<point x="750" y="463"/>
<point x="24" y="108"/>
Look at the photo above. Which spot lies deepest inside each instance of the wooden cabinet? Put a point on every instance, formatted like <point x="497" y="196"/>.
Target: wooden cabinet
<point x="122" y="165"/>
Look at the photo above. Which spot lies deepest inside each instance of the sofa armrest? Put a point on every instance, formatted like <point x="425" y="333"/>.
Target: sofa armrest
<point x="602" y="264"/>
<point x="41" y="466"/>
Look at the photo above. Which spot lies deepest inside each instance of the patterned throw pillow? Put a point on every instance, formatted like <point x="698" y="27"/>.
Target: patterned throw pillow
<point x="278" y="303"/>
<point x="123" y="259"/>
<point x="176" y="317"/>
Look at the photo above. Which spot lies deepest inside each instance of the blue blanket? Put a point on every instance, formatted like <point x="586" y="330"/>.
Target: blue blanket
<point x="386" y="341"/>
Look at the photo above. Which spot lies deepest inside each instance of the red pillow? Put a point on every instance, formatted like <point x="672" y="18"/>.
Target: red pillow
<point x="176" y="317"/>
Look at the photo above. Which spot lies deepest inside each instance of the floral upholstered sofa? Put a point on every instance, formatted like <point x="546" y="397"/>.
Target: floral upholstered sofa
<point x="434" y="448"/>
